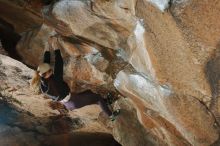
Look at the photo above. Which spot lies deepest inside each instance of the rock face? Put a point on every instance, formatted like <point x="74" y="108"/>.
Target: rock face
<point x="27" y="120"/>
<point x="161" y="56"/>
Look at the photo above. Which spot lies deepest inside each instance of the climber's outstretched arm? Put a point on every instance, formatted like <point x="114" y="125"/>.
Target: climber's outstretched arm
<point x="47" y="57"/>
<point x="58" y="68"/>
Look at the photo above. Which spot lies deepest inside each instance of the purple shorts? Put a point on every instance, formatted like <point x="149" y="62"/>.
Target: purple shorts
<point x="86" y="98"/>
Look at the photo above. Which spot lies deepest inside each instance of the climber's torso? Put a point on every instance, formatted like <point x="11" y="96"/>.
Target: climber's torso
<point x="54" y="88"/>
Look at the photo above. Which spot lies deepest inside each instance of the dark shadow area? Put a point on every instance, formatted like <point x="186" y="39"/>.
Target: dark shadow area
<point x="9" y="39"/>
<point x="48" y="2"/>
<point x="213" y="75"/>
<point x="82" y="139"/>
<point x="217" y="143"/>
<point x="212" y="71"/>
<point x="21" y="128"/>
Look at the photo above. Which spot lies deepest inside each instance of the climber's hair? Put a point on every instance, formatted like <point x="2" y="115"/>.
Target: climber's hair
<point x="35" y="82"/>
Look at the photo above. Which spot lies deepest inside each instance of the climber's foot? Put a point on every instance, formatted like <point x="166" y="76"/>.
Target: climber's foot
<point x="114" y="115"/>
<point x="110" y="98"/>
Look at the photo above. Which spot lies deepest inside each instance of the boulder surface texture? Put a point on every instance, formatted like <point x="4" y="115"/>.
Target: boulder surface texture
<point x="160" y="57"/>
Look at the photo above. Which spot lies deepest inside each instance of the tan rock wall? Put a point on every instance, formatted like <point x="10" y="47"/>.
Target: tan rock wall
<point x="164" y="62"/>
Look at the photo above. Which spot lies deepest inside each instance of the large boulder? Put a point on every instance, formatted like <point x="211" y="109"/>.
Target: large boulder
<point x="27" y="119"/>
<point x="181" y="119"/>
<point x="162" y="56"/>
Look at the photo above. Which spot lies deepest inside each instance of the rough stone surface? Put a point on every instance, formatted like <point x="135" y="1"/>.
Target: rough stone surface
<point x="20" y="14"/>
<point x="162" y="56"/>
<point x="26" y="118"/>
<point x="84" y="64"/>
<point x="154" y="101"/>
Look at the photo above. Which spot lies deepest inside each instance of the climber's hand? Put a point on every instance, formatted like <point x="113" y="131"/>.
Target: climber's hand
<point x="46" y="46"/>
<point x="53" y="42"/>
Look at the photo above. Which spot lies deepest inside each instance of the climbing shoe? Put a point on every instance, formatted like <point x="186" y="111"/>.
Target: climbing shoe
<point x="110" y="98"/>
<point x="114" y="114"/>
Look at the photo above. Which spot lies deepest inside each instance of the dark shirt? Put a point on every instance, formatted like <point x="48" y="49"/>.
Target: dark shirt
<point x="55" y="87"/>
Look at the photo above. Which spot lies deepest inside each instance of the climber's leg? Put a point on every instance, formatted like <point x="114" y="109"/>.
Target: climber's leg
<point x="82" y="99"/>
<point x="104" y="106"/>
<point x="88" y="98"/>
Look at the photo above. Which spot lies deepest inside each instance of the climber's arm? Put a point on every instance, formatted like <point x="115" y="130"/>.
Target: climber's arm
<point x="47" y="57"/>
<point x="47" y="53"/>
<point x="58" y="68"/>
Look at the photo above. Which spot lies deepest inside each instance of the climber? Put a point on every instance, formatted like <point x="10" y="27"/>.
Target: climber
<point x="54" y="87"/>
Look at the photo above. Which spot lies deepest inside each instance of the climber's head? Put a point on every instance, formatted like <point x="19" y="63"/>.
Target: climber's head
<point x="44" y="70"/>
